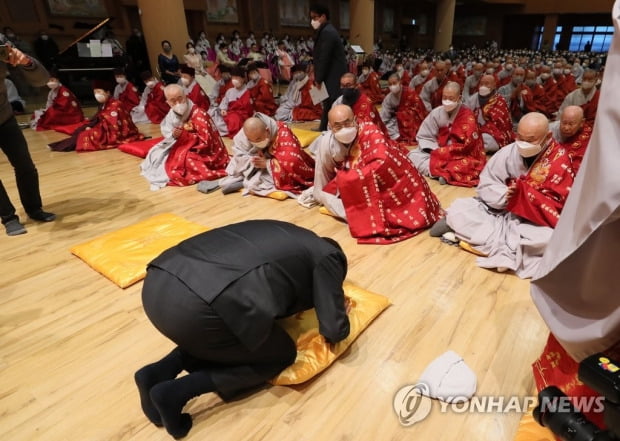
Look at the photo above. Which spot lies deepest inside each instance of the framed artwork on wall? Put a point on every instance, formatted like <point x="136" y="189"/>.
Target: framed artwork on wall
<point x="388" y="20"/>
<point x="222" y="11"/>
<point x="345" y="20"/>
<point x="295" y="13"/>
<point x="77" y="8"/>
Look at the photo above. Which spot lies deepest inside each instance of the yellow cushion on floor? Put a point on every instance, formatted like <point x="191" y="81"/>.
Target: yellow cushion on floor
<point x="530" y="430"/>
<point x="314" y="355"/>
<point x="122" y="255"/>
<point x="277" y="195"/>
<point x="305" y="136"/>
<point x="467" y="247"/>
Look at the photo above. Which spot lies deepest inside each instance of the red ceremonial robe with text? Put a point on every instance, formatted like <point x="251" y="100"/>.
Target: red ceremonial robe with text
<point x="114" y="126"/>
<point x="460" y="157"/>
<point x="540" y="195"/>
<point x="590" y="108"/>
<point x="535" y="99"/>
<point x="409" y="115"/>
<point x="498" y="120"/>
<point x="436" y="96"/>
<point x="372" y="88"/>
<point x="238" y="111"/>
<point x="554" y="95"/>
<point x="385" y="197"/>
<point x="291" y="167"/>
<point x="567" y="84"/>
<point x="65" y="110"/>
<point x="306" y="111"/>
<point x="405" y="79"/>
<point x="156" y="107"/>
<point x="365" y="110"/>
<point x="262" y="98"/>
<point x="129" y="97"/>
<point x="198" y="97"/>
<point x="199" y="154"/>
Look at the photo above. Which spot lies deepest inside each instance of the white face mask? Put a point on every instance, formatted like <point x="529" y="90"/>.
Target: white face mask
<point x="121" y="80"/>
<point x="395" y="88"/>
<point x="545" y="76"/>
<point x="315" y="24"/>
<point x="191" y="50"/>
<point x="44" y="37"/>
<point x="449" y="105"/>
<point x="346" y="135"/>
<point x="151" y="83"/>
<point x="185" y="81"/>
<point x="180" y="108"/>
<point x="299" y="76"/>
<point x="527" y="149"/>
<point x="254" y="76"/>
<point x="424" y="73"/>
<point x="509" y="67"/>
<point x="261" y="144"/>
<point x="587" y="85"/>
<point x="490" y="71"/>
<point x="567" y="71"/>
<point x="237" y="83"/>
<point x="101" y="98"/>
<point x="53" y="84"/>
<point x="484" y="91"/>
<point x="557" y="71"/>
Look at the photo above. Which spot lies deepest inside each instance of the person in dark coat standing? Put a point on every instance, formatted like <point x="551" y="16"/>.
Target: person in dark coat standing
<point x="217" y="295"/>
<point x="328" y="57"/>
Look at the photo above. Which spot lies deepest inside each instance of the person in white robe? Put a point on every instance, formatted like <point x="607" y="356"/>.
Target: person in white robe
<point x="390" y="105"/>
<point x="138" y="114"/>
<point x="584" y="93"/>
<point x="292" y="97"/>
<point x="473" y="80"/>
<point x="431" y="86"/>
<point x="233" y="94"/>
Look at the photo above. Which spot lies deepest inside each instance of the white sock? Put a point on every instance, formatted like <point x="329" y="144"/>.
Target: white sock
<point x="449" y="379"/>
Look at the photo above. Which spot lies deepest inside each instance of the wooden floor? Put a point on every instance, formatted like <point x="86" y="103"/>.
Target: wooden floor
<point x="70" y="340"/>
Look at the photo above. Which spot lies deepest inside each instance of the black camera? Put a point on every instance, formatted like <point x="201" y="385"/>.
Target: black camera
<point x="563" y="415"/>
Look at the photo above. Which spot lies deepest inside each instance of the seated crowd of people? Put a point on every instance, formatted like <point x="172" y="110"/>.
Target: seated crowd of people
<point x="514" y="125"/>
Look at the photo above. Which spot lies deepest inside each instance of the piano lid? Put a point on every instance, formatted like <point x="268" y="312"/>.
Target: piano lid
<point x="86" y="34"/>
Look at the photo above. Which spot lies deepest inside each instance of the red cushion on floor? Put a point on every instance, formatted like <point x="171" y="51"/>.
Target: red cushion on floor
<point x="139" y="148"/>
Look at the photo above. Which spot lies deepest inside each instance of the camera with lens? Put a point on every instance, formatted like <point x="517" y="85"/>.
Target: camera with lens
<point x="563" y="415"/>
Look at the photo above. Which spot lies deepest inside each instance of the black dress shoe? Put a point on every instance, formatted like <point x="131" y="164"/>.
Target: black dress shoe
<point x="42" y="216"/>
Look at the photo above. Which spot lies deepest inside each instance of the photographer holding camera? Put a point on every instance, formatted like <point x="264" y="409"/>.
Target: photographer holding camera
<point x="14" y="146"/>
<point x="575" y="288"/>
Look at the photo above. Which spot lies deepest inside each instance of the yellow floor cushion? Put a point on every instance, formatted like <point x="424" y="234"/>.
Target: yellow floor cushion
<point x="314" y="355"/>
<point x="467" y="247"/>
<point x="122" y="255"/>
<point x="277" y="195"/>
<point x="305" y="136"/>
<point x="530" y="430"/>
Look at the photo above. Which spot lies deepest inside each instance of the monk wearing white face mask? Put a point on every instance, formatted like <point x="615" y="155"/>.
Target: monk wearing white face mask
<point x="586" y="96"/>
<point x="519" y="199"/>
<point x="354" y="156"/>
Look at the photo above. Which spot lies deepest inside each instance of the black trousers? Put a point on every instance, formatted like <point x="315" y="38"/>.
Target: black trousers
<point x="327" y="106"/>
<point x="204" y="338"/>
<point x="14" y="146"/>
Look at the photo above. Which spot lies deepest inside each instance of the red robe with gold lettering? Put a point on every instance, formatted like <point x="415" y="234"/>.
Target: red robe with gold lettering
<point x="460" y="157"/>
<point x="65" y="110"/>
<point x="498" y="120"/>
<point x="540" y="195"/>
<point x="262" y="98"/>
<point x="238" y="111"/>
<point x="199" y="154"/>
<point x="365" y="110"/>
<point x="198" y="97"/>
<point x="372" y="88"/>
<point x="385" y="197"/>
<point x="156" y="107"/>
<point x="306" y="111"/>
<point x="409" y="115"/>
<point x="113" y="126"/>
<point x="129" y="97"/>
<point x="292" y="168"/>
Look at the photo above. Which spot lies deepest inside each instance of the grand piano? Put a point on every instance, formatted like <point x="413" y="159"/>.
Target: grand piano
<point x="78" y="67"/>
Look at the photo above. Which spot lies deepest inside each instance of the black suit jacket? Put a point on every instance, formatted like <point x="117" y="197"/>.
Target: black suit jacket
<point x="329" y="59"/>
<point x="254" y="272"/>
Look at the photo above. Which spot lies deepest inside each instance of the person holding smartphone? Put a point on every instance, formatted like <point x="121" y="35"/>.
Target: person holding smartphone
<point x="14" y="145"/>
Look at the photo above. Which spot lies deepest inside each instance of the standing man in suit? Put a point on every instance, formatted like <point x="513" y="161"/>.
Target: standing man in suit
<point x="217" y="296"/>
<point x="329" y="58"/>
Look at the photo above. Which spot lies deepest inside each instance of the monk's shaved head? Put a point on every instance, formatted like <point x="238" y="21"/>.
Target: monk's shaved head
<point x="339" y="113"/>
<point x="254" y="129"/>
<point x="488" y="80"/>
<point x="571" y="121"/>
<point x="533" y="127"/>
<point x="172" y="91"/>
<point x="453" y="86"/>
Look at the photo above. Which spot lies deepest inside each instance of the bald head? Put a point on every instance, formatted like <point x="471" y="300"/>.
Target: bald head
<point x="533" y="127"/>
<point x="441" y="69"/>
<point x="339" y="114"/>
<point x="454" y="87"/>
<point x="172" y="91"/>
<point x="488" y="81"/>
<point x="348" y="81"/>
<point x="255" y="130"/>
<point x="571" y="121"/>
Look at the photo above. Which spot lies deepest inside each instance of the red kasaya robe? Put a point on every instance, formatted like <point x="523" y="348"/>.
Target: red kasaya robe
<point x="291" y="167"/>
<point x="199" y="154"/>
<point x="238" y="111"/>
<point x="156" y="107"/>
<point x="365" y="110"/>
<point x="262" y="98"/>
<point x="405" y="79"/>
<point x="436" y="96"/>
<point x="65" y="110"/>
<point x="113" y="127"/>
<point x="498" y="120"/>
<point x="535" y="99"/>
<point x="567" y="84"/>
<point x="590" y="108"/>
<point x="554" y="95"/>
<point x="385" y="197"/>
<point x="460" y="157"/>
<point x="129" y="97"/>
<point x="372" y="88"/>
<point x="409" y="115"/>
<point x="539" y="196"/>
<point x="306" y="111"/>
<point x="198" y="97"/>
<point x="222" y="91"/>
